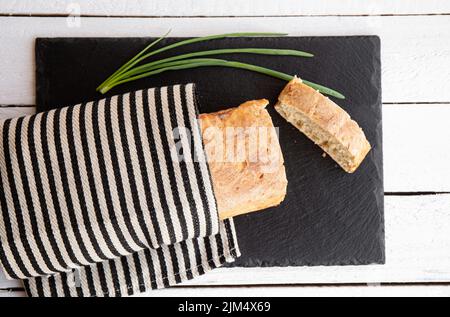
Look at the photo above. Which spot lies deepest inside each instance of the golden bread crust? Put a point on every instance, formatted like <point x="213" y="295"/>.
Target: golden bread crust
<point x="243" y="184"/>
<point x="327" y="116"/>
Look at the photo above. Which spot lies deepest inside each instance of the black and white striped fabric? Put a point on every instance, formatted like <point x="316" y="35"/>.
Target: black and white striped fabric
<point x="102" y="180"/>
<point x="142" y="271"/>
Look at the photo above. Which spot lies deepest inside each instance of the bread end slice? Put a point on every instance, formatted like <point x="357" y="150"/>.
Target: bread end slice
<point x="325" y="123"/>
<point x="244" y="184"/>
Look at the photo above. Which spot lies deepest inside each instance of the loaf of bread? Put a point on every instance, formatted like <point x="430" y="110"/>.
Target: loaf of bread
<point x="244" y="158"/>
<point x="325" y="123"/>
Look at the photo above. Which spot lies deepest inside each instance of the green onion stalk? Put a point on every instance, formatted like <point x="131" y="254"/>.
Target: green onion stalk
<point x="130" y="72"/>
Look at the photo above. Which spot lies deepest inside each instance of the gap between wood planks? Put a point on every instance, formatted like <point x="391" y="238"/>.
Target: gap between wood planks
<point x="411" y="103"/>
<point x="179" y="286"/>
<point x="20" y="289"/>
<point x="17" y="106"/>
<point x="424" y="193"/>
<point x="64" y="15"/>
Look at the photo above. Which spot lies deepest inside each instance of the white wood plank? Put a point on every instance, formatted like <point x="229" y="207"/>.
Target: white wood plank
<point x="304" y="291"/>
<point x="416" y="145"/>
<point x="7" y="112"/>
<point x="415" y="49"/>
<point x="291" y="291"/>
<point x="417" y="250"/>
<point x="225" y="8"/>
<point x="4" y="283"/>
<point x="12" y="294"/>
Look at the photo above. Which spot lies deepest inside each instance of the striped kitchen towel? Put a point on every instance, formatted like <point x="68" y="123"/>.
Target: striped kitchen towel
<point x="142" y="271"/>
<point x="106" y="183"/>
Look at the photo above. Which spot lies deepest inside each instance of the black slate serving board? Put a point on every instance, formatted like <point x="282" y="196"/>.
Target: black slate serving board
<point x="329" y="217"/>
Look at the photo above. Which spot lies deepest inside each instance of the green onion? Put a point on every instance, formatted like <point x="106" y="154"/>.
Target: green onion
<point x="263" y="51"/>
<point x="194" y="63"/>
<point x="120" y="79"/>
<point x="130" y="72"/>
<point x="324" y="90"/>
<point x="139" y="57"/>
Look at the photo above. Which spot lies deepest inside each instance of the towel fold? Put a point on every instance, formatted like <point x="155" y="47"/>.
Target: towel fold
<point x="142" y="271"/>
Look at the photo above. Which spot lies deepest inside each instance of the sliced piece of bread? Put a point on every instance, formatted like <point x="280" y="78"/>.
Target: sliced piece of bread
<point x="325" y="123"/>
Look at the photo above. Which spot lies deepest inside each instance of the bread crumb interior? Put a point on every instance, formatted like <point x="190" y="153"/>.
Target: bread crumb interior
<point x="328" y="142"/>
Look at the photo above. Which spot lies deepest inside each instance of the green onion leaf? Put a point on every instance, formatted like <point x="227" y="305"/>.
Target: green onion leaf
<point x="140" y="56"/>
<point x="133" y="59"/>
<point x="263" y="51"/>
<point x="324" y="90"/>
<point x="194" y="63"/>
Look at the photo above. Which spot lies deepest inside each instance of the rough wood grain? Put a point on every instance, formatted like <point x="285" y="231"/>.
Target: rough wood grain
<point x="12" y="293"/>
<point x="307" y="291"/>
<point x="7" y="112"/>
<point x="225" y="8"/>
<point x="4" y="283"/>
<point x="415" y="55"/>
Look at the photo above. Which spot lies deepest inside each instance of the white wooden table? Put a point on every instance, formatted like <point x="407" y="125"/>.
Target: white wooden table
<point x="415" y="40"/>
